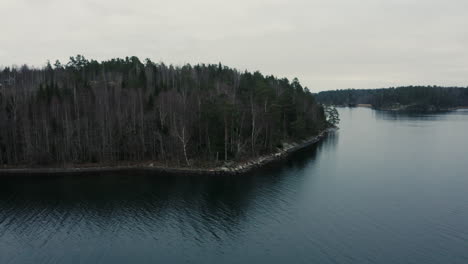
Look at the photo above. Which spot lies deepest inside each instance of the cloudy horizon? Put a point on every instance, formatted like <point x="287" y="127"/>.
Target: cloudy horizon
<point x="326" y="44"/>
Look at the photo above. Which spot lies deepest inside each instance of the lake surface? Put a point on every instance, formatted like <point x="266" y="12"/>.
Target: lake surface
<point x="386" y="188"/>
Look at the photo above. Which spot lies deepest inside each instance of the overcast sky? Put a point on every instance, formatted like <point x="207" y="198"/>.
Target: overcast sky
<point x="327" y="44"/>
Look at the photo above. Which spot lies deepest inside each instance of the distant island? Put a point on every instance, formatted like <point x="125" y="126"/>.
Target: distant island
<point x="126" y="113"/>
<point x="409" y="98"/>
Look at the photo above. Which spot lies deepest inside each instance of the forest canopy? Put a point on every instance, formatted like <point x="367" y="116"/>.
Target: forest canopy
<point x="87" y="111"/>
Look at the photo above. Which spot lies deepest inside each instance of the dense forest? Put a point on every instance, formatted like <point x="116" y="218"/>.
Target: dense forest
<point x="409" y="97"/>
<point x="87" y="111"/>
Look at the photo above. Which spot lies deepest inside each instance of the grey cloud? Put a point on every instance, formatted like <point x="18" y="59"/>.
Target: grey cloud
<point x="328" y="44"/>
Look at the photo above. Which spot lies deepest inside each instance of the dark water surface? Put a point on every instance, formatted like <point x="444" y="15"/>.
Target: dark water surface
<point x="386" y="188"/>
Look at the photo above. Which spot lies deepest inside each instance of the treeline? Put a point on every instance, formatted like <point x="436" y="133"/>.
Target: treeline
<point x="87" y="111"/>
<point x="419" y="97"/>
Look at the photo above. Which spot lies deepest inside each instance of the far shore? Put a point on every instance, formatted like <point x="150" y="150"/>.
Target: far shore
<point x="402" y="108"/>
<point x="232" y="168"/>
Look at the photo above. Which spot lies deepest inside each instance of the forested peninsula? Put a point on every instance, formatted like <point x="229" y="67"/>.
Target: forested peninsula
<point x="415" y="98"/>
<point x="86" y="114"/>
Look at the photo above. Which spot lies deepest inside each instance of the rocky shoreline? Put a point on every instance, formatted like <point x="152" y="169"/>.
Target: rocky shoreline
<point x="231" y="169"/>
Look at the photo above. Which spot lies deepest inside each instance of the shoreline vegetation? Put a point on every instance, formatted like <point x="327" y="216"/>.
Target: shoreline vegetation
<point x="409" y="98"/>
<point x="124" y="113"/>
<point x="232" y="168"/>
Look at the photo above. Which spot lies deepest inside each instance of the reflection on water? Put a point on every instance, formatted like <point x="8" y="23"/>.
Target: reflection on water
<point x="386" y="188"/>
<point x="201" y="208"/>
<point x="419" y="116"/>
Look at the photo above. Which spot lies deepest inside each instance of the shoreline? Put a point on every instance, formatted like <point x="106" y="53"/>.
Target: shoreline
<point x="234" y="169"/>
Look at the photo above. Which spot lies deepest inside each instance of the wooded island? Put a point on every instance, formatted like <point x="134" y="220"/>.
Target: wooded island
<point x="416" y="98"/>
<point x="125" y="110"/>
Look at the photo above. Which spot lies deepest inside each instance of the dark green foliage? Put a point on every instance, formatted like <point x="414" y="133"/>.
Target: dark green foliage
<point x="126" y="110"/>
<point x="332" y="115"/>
